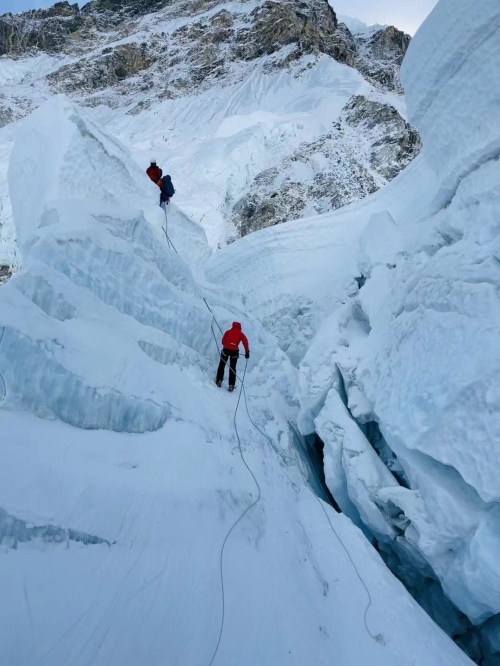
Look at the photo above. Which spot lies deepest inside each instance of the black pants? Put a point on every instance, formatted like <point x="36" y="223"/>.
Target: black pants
<point x="230" y="355"/>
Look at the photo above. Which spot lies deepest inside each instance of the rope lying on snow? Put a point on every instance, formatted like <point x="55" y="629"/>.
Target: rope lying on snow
<point x="376" y="637"/>
<point x="249" y="507"/>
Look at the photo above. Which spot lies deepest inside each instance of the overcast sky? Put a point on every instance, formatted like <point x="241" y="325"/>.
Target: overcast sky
<point x="404" y="14"/>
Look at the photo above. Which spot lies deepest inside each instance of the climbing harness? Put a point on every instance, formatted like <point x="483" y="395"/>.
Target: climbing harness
<point x="376" y="637"/>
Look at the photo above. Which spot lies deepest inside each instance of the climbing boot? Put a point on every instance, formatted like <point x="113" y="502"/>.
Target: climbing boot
<point x="219" y="383"/>
<point x="231" y="389"/>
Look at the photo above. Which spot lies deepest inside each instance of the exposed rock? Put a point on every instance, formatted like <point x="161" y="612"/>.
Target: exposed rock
<point x="389" y="44"/>
<point x="395" y="143"/>
<point x="319" y="177"/>
<point x="368" y="148"/>
<point x="121" y="9"/>
<point x="6" y="115"/>
<point x="44" y="29"/>
<point x="381" y="55"/>
<point x="5" y="273"/>
<point x="311" y="26"/>
<point x="109" y="68"/>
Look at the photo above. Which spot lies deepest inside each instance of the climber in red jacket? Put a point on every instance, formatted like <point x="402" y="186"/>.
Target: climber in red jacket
<point x="230" y="352"/>
<point x="154" y="172"/>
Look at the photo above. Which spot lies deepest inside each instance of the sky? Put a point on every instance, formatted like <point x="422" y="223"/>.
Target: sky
<point x="406" y="15"/>
<point x="16" y="6"/>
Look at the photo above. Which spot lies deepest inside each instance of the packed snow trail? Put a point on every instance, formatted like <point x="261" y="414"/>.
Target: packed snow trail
<point x="113" y="428"/>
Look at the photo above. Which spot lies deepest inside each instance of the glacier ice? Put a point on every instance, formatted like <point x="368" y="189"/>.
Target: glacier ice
<point x="452" y="98"/>
<point x="112" y="426"/>
<point x="88" y="248"/>
<point x="416" y="349"/>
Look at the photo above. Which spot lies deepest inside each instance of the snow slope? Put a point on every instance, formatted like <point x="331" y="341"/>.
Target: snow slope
<point x="121" y="474"/>
<point x="412" y="355"/>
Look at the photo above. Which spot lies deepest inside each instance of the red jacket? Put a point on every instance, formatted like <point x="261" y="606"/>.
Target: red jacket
<point x="154" y="172"/>
<point x="233" y="337"/>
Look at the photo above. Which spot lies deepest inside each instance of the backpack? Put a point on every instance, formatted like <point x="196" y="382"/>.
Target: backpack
<point x="166" y="186"/>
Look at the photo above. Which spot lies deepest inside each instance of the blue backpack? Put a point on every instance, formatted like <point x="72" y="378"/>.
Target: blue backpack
<point x="167" y="188"/>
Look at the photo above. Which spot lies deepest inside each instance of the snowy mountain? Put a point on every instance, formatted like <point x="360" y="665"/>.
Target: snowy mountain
<point x="225" y="96"/>
<point x="150" y="517"/>
<point x="357" y="27"/>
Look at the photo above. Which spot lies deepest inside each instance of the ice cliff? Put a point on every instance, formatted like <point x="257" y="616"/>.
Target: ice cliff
<point x="91" y="262"/>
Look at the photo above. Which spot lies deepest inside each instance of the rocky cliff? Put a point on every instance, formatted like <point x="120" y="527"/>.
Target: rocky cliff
<point x="151" y="62"/>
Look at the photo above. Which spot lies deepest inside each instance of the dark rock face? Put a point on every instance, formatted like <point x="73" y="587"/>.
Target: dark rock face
<point x="380" y="57"/>
<point x="390" y="44"/>
<point x="5" y="273"/>
<point x="44" y="29"/>
<point x="6" y="115"/>
<point x="311" y="26"/>
<point x="125" y="7"/>
<point x="319" y="177"/>
<point x="395" y="143"/>
<point x="369" y="147"/>
<point x="111" y="67"/>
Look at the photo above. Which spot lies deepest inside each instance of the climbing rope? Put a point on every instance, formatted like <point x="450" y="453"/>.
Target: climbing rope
<point x="376" y="637"/>
<point x="249" y="507"/>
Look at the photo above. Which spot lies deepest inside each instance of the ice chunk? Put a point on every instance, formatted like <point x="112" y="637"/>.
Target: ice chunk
<point x="450" y="76"/>
<point x="80" y="163"/>
<point x="98" y="282"/>
<point x="353" y="471"/>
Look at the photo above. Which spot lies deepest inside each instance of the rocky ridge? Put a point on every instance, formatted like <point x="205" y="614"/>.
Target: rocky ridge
<point x="134" y="55"/>
<point x="328" y="173"/>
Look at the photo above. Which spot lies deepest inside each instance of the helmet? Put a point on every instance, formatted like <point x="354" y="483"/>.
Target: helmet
<point x="153" y="161"/>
